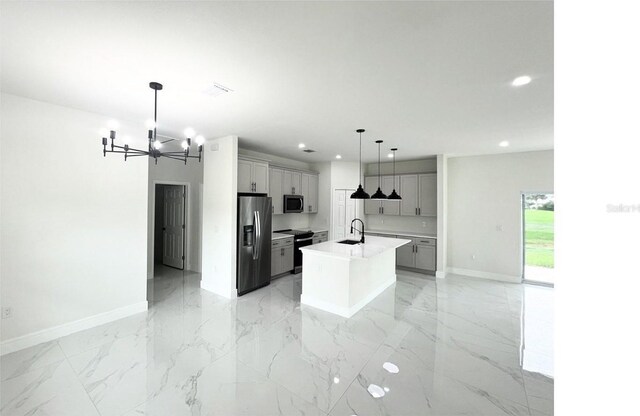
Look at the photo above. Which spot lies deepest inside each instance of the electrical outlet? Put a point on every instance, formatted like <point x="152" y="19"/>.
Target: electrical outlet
<point x="473" y="257"/>
<point x="381" y="221"/>
<point x="7" y="313"/>
<point x="424" y="223"/>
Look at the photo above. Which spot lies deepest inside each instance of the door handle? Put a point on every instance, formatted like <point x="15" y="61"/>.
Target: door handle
<point x="256" y="234"/>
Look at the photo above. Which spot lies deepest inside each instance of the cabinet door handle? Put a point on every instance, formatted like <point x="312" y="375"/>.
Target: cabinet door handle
<point x="419" y="211"/>
<point x="382" y="210"/>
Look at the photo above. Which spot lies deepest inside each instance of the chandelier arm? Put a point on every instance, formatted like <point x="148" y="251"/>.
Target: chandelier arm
<point x="139" y="154"/>
<point x="171" y="157"/>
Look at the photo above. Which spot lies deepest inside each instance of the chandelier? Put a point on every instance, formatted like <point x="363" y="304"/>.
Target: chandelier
<point x="154" y="144"/>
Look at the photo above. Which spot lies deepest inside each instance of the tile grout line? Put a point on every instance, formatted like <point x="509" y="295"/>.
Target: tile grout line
<point x="66" y="358"/>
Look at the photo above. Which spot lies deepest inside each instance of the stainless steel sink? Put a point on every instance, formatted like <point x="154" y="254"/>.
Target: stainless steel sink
<point x="350" y="242"/>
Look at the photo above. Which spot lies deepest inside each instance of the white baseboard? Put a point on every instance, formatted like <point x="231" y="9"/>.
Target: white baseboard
<point x="229" y="295"/>
<point x="485" y="275"/>
<point x="440" y="274"/>
<point x="342" y="310"/>
<point x="49" y="334"/>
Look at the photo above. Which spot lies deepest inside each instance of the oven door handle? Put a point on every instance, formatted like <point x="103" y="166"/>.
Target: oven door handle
<point x="303" y="239"/>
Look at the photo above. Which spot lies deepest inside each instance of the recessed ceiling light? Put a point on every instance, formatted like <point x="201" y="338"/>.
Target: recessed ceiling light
<point x="390" y="155"/>
<point x="503" y="143"/>
<point x="520" y="81"/>
<point x="301" y="146"/>
<point x="338" y="157"/>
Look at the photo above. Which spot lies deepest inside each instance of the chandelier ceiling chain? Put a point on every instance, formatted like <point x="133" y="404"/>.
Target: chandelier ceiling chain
<point x="154" y="144"/>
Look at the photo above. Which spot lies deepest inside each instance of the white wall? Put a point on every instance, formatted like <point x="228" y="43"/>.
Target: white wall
<point x="484" y="195"/>
<point x="322" y="219"/>
<point x="219" y="216"/>
<point x="173" y="171"/>
<point x="73" y="226"/>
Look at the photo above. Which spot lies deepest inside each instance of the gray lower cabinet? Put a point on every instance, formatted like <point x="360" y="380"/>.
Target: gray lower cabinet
<point x="405" y="255"/>
<point x="320" y="237"/>
<point x="419" y="254"/>
<point x="281" y="256"/>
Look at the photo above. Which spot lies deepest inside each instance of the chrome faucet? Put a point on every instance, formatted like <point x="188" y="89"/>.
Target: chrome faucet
<point x="361" y="231"/>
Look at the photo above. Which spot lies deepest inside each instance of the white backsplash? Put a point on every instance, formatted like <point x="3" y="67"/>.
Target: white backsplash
<point x="422" y="225"/>
<point x="293" y="221"/>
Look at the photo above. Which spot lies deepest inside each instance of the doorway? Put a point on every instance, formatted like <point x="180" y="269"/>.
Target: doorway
<point x="344" y="210"/>
<point x="169" y="226"/>
<point x="538" y="220"/>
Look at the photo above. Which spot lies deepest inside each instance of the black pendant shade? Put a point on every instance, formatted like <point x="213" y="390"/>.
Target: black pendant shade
<point x="379" y="194"/>
<point x="360" y="193"/>
<point x="394" y="195"/>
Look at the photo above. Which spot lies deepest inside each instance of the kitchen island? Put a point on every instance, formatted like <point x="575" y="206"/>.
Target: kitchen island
<point x="341" y="278"/>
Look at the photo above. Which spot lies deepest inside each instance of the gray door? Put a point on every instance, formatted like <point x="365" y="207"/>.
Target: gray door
<point x="254" y="243"/>
<point x="173" y="226"/>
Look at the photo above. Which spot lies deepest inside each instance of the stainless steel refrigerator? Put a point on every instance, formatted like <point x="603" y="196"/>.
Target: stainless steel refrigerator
<point x="254" y="243"/>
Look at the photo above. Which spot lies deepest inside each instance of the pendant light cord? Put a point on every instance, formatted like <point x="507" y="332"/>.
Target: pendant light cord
<point x="379" y="166"/>
<point x="360" y="161"/>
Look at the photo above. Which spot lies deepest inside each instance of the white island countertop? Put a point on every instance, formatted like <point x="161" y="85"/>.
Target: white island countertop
<point x="372" y="247"/>
<point x="342" y="278"/>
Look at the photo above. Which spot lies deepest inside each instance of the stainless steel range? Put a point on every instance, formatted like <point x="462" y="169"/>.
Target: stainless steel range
<point x="301" y="238"/>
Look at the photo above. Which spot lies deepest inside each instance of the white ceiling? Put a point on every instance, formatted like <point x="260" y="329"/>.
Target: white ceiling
<point x="426" y="77"/>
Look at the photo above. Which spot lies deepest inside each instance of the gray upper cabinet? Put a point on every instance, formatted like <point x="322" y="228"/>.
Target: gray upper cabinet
<point x="390" y="207"/>
<point x="245" y="180"/>
<point x="428" y="195"/>
<point x="253" y="176"/>
<point x="292" y="183"/>
<point x="409" y="194"/>
<point x="371" y="207"/>
<point x="283" y="181"/>
<point x="419" y="195"/>
<point x="309" y="190"/>
<point x="275" y="189"/>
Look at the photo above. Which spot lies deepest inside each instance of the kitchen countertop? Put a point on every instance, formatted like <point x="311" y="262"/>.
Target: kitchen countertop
<point x="402" y="233"/>
<point x="373" y="246"/>
<point x="277" y="236"/>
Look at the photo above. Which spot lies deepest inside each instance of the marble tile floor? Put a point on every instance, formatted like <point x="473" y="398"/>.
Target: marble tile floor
<point x="456" y="346"/>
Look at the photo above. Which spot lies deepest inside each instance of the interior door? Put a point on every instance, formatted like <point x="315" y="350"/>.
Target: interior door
<point x="339" y="214"/>
<point x="173" y="226"/>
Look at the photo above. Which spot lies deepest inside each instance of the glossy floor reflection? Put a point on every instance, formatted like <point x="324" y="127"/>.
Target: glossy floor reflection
<point x="449" y="347"/>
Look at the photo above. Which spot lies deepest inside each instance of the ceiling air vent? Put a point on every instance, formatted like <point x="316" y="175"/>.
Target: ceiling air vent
<point x="217" y="89"/>
<point x="309" y="151"/>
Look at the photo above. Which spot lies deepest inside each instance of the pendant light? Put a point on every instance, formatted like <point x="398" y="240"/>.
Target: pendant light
<point x="360" y="193"/>
<point x="379" y="194"/>
<point x="394" y="195"/>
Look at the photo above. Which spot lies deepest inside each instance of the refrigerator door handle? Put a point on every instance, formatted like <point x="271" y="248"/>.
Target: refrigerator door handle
<point x="258" y="235"/>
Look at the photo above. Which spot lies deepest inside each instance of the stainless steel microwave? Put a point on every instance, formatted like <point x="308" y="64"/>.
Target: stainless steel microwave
<point x="293" y="203"/>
